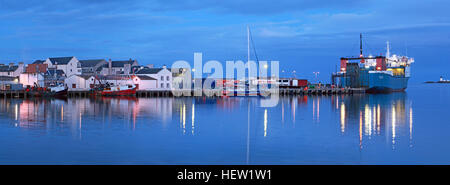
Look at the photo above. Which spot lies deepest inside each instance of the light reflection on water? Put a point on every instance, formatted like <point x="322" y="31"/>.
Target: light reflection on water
<point x="358" y="129"/>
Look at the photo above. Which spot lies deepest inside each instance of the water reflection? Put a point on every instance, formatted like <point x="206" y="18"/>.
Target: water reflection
<point x="359" y="117"/>
<point x="376" y="113"/>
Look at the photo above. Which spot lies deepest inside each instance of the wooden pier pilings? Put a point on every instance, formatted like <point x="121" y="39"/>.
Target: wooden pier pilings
<point x="186" y="93"/>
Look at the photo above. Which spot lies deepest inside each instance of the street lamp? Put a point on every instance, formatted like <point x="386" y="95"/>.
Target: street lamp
<point x="316" y="73"/>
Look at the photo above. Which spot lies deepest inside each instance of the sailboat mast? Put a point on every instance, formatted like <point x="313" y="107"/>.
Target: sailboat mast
<point x="248" y="44"/>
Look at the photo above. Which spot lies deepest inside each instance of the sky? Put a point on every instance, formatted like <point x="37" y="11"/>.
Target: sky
<point x="303" y="35"/>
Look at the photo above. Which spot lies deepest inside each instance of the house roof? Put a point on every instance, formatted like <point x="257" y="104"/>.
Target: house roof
<point x="60" y="60"/>
<point x="83" y="76"/>
<point x="121" y="63"/>
<point x="145" y="77"/>
<point x="91" y="63"/>
<point x="7" y="68"/>
<point x="115" y="77"/>
<point x="7" y="78"/>
<point x="149" y="70"/>
<point x="59" y="72"/>
<point x="38" y="61"/>
<point x="101" y="67"/>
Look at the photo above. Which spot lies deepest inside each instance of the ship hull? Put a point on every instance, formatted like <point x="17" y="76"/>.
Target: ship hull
<point x="127" y="92"/>
<point x="385" y="83"/>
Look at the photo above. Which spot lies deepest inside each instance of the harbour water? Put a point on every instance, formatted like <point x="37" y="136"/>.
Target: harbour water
<point x="397" y="128"/>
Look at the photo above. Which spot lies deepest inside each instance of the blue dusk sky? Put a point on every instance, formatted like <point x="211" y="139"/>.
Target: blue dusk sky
<point x="304" y="35"/>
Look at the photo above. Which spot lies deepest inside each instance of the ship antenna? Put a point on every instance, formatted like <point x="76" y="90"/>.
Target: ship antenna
<point x="388" y="52"/>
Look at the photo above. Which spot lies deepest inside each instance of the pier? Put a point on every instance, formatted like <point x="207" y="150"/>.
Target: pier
<point x="187" y="93"/>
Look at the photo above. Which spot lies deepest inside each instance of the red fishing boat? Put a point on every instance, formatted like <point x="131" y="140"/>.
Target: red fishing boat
<point x="111" y="89"/>
<point x="118" y="90"/>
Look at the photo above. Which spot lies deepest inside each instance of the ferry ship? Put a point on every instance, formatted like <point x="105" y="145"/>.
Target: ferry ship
<point x="375" y="74"/>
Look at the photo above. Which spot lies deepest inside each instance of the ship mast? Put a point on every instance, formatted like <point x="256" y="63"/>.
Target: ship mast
<point x="361" y="49"/>
<point x="360" y="46"/>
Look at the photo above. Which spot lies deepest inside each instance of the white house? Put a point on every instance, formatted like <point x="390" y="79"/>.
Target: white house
<point x="30" y="79"/>
<point x="80" y="82"/>
<point x="70" y="65"/>
<point x="11" y="69"/>
<point x="162" y="75"/>
<point x="144" y="82"/>
<point x="87" y="82"/>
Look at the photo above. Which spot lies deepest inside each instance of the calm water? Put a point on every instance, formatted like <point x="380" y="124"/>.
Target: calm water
<point x="399" y="128"/>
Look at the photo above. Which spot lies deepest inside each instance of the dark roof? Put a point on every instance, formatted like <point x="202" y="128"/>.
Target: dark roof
<point x="38" y="61"/>
<point x="91" y="63"/>
<point x="121" y="63"/>
<point x="144" y="77"/>
<point x="149" y="70"/>
<point x="7" y="68"/>
<point x="101" y="67"/>
<point x="84" y="76"/>
<point x="60" y="60"/>
<point x="51" y="72"/>
<point x="7" y="78"/>
<point x="115" y="77"/>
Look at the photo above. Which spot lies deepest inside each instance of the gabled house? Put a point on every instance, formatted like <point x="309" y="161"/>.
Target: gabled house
<point x="91" y="66"/>
<point x="162" y="75"/>
<point x="70" y="65"/>
<point x="31" y="79"/>
<point x="80" y="82"/>
<point x="11" y="69"/>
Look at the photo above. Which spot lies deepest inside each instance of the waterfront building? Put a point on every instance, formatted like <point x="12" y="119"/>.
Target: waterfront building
<point x="80" y="82"/>
<point x="32" y="79"/>
<point x="10" y="83"/>
<point x="11" y="70"/>
<point x="144" y="83"/>
<point x="162" y="75"/>
<point x="70" y="65"/>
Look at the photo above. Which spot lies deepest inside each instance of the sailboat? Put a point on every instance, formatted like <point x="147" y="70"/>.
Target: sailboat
<point x="242" y="88"/>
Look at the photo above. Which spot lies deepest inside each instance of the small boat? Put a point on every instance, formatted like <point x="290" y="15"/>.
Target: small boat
<point x="57" y="91"/>
<point x="53" y="91"/>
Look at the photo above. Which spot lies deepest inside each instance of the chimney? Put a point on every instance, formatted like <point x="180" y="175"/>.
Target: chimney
<point x="126" y="68"/>
<point x="109" y="67"/>
<point x="21" y="67"/>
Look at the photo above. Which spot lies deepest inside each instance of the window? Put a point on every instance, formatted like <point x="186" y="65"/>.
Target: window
<point x="167" y="85"/>
<point x="167" y="78"/>
<point x="74" y="85"/>
<point x="162" y="85"/>
<point x="162" y="78"/>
